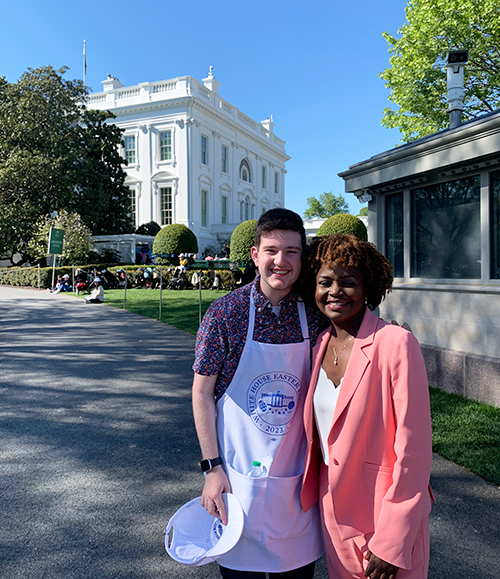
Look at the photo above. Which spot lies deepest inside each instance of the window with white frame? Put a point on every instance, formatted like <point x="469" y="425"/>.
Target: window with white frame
<point x="204" y="199"/>
<point x="204" y="150"/>
<point x="166" y="209"/>
<point x="264" y="178"/>
<point x="133" y="206"/>
<point x="224" y="209"/>
<point x="166" y="146"/>
<point x="130" y="151"/>
<point x="248" y="209"/>
<point x="245" y="171"/>
<point x="276" y="183"/>
<point x="224" y="158"/>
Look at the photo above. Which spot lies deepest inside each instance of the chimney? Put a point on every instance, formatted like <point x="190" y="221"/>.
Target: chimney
<point x="455" y="63"/>
<point x="268" y="124"/>
<point x="111" y="83"/>
<point x="210" y="81"/>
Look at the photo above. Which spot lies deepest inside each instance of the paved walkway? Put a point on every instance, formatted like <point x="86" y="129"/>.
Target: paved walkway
<point x="98" y="450"/>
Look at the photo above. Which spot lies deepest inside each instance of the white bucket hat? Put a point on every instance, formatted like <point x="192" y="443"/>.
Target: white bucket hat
<point x="197" y="537"/>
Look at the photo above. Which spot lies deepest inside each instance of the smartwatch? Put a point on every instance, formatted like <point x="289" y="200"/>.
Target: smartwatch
<point x="207" y="464"/>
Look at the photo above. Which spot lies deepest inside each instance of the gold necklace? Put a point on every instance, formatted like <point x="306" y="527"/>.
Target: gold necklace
<point x="336" y="361"/>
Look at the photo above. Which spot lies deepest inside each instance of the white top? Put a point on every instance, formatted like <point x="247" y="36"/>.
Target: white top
<point x="324" y="402"/>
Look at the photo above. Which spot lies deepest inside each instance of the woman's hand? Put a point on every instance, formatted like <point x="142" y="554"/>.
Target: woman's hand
<point x="378" y="568"/>
<point x="216" y="483"/>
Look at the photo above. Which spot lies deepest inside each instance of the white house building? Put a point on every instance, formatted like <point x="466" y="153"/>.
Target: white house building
<point x="193" y="158"/>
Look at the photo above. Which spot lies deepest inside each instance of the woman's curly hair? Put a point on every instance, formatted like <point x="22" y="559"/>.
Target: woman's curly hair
<point x="349" y="251"/>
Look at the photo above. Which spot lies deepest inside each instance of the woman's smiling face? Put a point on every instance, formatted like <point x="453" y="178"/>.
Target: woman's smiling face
<point x="340" y="295"/>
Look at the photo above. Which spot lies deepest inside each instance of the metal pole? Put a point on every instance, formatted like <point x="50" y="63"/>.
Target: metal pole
<point x="38" y="277"/>
<point x="161" y="289"/>
<point x="125" y="294"/>
<point x="53" y="271"/>
<point x="199" y="323"/>
<point x="73" y="274"/>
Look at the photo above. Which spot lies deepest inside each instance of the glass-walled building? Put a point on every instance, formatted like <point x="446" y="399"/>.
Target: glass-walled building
<point x="434" y="211"/>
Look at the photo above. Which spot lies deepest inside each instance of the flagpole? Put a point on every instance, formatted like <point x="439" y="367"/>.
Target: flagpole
<point x="84" y="60"/>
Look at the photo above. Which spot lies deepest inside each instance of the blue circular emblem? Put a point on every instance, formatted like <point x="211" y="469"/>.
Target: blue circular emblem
<point x="272" y="400"/>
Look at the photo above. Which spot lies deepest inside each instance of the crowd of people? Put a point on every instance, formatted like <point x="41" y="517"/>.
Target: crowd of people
<point x="295" y="373"/>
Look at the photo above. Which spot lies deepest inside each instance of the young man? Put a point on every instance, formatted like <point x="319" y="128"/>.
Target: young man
<point x="251" y="375"/>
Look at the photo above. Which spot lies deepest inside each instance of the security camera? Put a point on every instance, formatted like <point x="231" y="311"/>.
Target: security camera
<point x="457" y="57"/>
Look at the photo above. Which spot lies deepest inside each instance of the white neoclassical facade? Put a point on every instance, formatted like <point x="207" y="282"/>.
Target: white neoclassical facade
<point x="193" y="158"/>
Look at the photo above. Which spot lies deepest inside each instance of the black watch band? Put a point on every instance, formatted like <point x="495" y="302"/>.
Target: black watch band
<point x="207" y="464"/>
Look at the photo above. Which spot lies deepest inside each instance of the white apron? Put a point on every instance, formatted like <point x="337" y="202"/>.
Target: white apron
<point x="260" y="417"/>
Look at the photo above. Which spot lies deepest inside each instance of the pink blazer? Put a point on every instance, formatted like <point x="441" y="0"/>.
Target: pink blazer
<point x="379" y="444"/>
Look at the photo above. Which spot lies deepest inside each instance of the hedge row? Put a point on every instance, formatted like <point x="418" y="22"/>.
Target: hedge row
<point x="28" y="277"/>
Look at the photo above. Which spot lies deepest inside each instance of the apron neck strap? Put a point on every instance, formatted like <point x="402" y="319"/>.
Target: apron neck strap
<point x="302" y="316"/>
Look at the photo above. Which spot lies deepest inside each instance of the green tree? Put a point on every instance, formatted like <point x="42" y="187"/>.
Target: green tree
<point x="242" y="240"/>
<point x="344" y="223"/>
<point x="175" y="239"/>
<point x="77" y="238"/>
<point x="416" y="77"/>
<point x="55" y="155"/>
<point x="363" y="212"/>
<point x="327" y="205"/>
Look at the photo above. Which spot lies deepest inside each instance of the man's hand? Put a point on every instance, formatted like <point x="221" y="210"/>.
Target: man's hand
<point x="378" y="568"/>
<point x="216" y="483"/>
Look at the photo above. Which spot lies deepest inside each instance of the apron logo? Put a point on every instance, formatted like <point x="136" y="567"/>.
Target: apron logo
<point x="272" y="399"/>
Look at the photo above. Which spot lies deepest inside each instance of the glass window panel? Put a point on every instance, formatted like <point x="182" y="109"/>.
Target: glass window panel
<point x="394" y="233"/>
<point x="495" y="225"/>
<point x="203" y="208"/>
<point x="204" y="149"/>
<point x="263" y="177"/>
<point x="130" y="149"/>
<point x="276" y="182"/>
<point x="446" y="230"/>
<point x="224" y="210"/>
<point x="166" y="205"/>
<point x="166" y="146"/>
<point x="224" y="159"/>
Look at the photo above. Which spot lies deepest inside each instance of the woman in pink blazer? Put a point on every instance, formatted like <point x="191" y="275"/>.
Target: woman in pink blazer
<point x="367" y="422"/>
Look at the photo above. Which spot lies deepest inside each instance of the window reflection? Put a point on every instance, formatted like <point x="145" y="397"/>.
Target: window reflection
<point x="495" y="225"/>
<point x="446" y="230"/>
<point x="394" y="238"/>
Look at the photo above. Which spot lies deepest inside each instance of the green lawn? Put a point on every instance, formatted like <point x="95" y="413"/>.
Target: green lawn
<point x="463" y="431"/>
<point x="180" y="308"/>
<point x="467" y="433"/>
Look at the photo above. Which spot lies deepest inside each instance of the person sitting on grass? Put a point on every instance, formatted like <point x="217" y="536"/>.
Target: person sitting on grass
<point x="97" y="295"/>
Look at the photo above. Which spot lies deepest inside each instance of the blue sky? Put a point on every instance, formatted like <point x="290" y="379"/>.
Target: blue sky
<point x="314" y="66"/>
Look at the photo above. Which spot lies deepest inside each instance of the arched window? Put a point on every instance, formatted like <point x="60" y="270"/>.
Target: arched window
<point x="245" y="171"/>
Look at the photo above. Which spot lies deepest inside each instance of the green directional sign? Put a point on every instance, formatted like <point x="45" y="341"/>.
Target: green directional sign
<point x="56" y="237"/>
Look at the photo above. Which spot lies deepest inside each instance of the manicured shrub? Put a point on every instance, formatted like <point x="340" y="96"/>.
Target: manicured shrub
<point x="242" y="241"/>
<point x="344" y="223"/>
<point x="175" y="239"/>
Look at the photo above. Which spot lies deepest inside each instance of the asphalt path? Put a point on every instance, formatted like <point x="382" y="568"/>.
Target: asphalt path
<point x="98" y="450"/>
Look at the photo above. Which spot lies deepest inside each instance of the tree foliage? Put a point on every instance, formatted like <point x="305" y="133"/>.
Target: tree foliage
<point x="175" y="239"/>
<point x="242" y="240"/>
<point x="416" y="77"/>
<point x="151" y="228"/>
<point x="344" y="223"/>
<point x="77" y="238"/>
<point x="56" y="155"/>
<point x="327" y="205"/>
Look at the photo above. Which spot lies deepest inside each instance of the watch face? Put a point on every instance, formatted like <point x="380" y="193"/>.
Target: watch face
<point x="205" y="465"/>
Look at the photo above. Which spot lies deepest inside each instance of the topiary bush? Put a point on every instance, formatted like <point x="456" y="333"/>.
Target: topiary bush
<point x="242" y="240"/>
<point x="175" y="239"/>
<point x="344" y="223"/>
